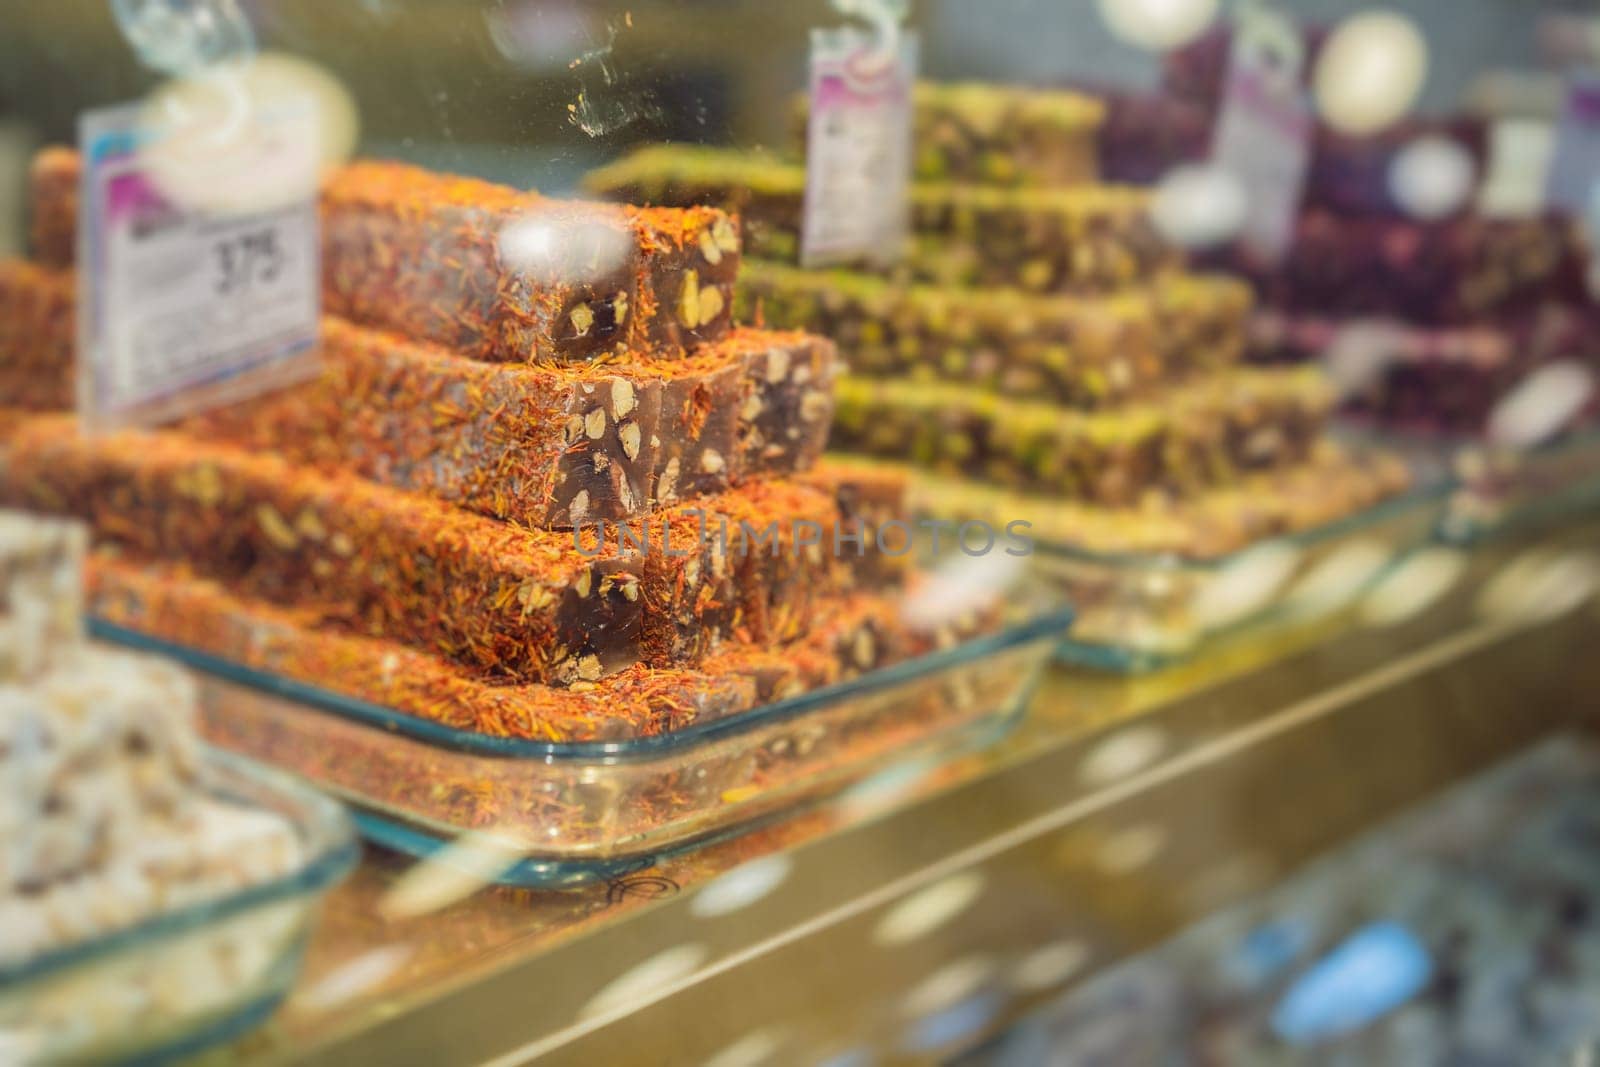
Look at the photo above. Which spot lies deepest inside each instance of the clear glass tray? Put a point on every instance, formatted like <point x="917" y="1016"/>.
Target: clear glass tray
<point x="1507" y="492"/>
<point x="1138" y="613"/>
<point x="184" y="980"/>
<point x="575" y="812"/>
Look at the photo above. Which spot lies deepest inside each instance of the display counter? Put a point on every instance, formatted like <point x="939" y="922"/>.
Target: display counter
<point x="923" y="909"/>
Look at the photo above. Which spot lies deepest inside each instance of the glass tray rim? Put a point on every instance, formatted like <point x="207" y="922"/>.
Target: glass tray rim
<point x="1052" y="623"/>
<point x="1435" y="493"/>
<point x="394" y="832"/>
<point x="336" y="858"/>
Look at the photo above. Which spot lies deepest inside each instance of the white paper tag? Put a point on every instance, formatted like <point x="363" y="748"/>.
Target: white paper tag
<point x="184" y="305"/>
<point x="858" y="148"/>
<point x="1263" y="137"/>
<point x="1575" y="169"/>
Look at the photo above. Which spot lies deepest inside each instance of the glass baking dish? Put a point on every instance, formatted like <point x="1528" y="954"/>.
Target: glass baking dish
<point x="574" y="812"/>
<point x="1142" y="612"/>
<point x="1506" y="491"/>
<point x="184" y="980"/>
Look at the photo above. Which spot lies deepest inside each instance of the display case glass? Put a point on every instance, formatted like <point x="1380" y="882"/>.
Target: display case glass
<point x="713" y="487"/>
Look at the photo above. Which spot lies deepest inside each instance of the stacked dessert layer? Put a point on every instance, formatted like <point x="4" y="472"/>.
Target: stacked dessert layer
<point x="1038" y="338"/>
<point x="105" y="818"/>
<point x="1470" y="307"/>
<point x="1473" y="304"/>
<point x="543" y="486"/>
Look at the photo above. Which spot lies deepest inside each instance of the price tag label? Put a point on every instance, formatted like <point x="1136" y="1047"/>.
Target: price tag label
<point x="858" y="148"/>
<point x="1263" y="137"/>
<point x="186" y="300"/>
<point x="1575" y="168"/>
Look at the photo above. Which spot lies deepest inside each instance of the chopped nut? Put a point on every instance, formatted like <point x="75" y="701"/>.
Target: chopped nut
<point x="667" y="487"/>
<point x="310" y="526"/>
<point x="689" y="300"/>
<point x="751" y="409"/>
<point x="712" y="462"/>
<point x="864" y="649"/>
<point x="630" y="589"/>
<point x="534" y="597"/>
<point x="278" y="531"/>
<point x="594" y="424"/>
<point x="619" y="308"/>
<point x="709" y="249"/>
<point x="574" y="429"/>
<point x="584" y="584"/>
<point x="623" y="399"/>
<point x="204" y="485"/>
<point x="726" y="235"/>
<point x="711" y="304"/>
<point x="602" y="462"/>
<point x="342" y="545"/>
<point x="777" y="365"/>
<point x="582" y="318"/>
<point x="815" y="405"/>
<point x="589" y="667"/>
<point x="579" y="509"/>
<point x="1036" y="273"/>
<point x="629" y="434"/>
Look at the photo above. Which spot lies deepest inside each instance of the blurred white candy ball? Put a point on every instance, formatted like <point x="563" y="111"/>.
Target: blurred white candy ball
<point x="1542" y="405"/>
<point x="1199" y="205"/>
<point x="1157" y="25"/>
<point x="1432" y="178"/>
<point x="960" y="586"/>
<point x="1245" y="587"/>
<point x="1370" y="72"/>
<point x="249" y="135"/>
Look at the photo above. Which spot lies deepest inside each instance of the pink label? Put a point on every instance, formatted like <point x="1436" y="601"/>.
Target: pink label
<point x="1576" y="167"/>
<point x="1263" y="138"/>
<point x="858" y="149"/>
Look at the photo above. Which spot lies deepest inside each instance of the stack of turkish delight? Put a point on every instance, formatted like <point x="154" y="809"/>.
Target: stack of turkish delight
<point x="1039" y="347"/>
<point x="544" y="487"/>
<point x="1472" y="304"/>
<point x="105" y="818"/>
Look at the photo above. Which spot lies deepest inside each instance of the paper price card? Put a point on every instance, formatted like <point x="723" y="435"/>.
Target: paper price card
<point x="858" y="147"/>
<point x="1263" y="137"/>
<point x="199" y="264"/>
<point x="1575" y="170"/>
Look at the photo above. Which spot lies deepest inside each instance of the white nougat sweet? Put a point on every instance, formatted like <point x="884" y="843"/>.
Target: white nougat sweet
<point x="87" y="757"/>
<point x="105" y="818"/>
<point x="41" y="594"/>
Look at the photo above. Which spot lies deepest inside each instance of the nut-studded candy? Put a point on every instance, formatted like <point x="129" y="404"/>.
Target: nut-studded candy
<point x="298" y="642"/>
<point x="490" y="271"/>
<point x="545" y="445"/>
<point x="500" y="274"/>
<point x="984" y="134"/>
<point x="1191" y="439"/>
<point x="1044" y="240"/>
<point x="507" y="602"/>
<point x="1090" y="351"/>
